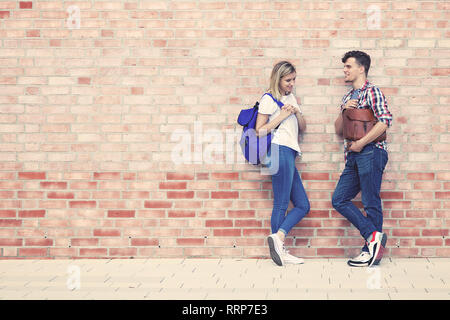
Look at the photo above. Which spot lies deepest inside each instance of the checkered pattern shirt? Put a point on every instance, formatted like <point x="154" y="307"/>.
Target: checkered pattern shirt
<point x="370" y="96"/>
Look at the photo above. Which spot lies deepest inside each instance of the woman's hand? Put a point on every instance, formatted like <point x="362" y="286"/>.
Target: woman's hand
<point x="287" y="110"/>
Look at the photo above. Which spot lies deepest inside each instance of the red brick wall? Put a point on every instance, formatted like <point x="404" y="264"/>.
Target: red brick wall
<point x="94" y="97"/>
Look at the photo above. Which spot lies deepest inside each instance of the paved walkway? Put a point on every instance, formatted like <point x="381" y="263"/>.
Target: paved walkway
<point x="221" y="279"/>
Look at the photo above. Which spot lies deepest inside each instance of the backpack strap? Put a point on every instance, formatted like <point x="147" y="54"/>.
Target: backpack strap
<point x="279" y="103"/>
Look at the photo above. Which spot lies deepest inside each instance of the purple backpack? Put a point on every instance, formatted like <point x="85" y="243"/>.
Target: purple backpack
<point x="253" y="147"/>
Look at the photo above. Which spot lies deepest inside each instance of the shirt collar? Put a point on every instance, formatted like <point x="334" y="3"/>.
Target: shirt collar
<point x="365" y="85"/>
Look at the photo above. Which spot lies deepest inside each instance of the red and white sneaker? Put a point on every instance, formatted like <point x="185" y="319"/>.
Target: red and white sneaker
<point x="376" y="247"/>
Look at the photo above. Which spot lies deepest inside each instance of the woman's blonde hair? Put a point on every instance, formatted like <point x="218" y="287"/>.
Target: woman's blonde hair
<point x="280" y="70"/>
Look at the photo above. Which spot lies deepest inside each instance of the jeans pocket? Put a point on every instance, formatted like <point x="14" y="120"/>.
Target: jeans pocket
<point x="365" y="162"/>
<point x="368" y="149"/>
<point x="382" y="159"/>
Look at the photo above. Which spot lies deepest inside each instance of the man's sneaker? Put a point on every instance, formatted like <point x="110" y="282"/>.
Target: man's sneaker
<point x="376" y="247"/>
<point x="289" y="258"/>
<point x="276" y="249"/>
<point x="360" y="261"/>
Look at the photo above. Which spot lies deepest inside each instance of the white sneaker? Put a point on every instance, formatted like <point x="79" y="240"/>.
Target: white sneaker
<point x="275" y="249"/>
<point x="360" y="261"/>
<point x="289" y="258"/>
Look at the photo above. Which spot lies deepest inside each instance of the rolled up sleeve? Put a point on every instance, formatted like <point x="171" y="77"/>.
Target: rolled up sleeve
<point x="379" y="106"/>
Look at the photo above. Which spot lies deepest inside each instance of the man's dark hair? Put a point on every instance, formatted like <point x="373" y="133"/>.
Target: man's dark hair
<point x="362" y="58"/>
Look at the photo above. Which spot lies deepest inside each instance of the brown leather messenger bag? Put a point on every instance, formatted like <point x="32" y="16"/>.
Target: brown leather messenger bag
<point x="358" y="122"/>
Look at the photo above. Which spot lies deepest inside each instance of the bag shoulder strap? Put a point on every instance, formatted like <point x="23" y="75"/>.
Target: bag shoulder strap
<point x="279" y="103"/>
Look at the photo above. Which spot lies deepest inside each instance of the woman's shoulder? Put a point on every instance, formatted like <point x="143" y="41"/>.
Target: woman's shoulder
<point x="266" y="96"/>
<point x="266" y="104"/>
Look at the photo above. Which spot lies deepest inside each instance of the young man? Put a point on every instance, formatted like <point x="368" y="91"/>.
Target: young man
<point x="365" y="161"/>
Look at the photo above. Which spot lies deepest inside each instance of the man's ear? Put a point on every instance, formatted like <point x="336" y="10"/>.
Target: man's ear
<point x="361" y="69"/>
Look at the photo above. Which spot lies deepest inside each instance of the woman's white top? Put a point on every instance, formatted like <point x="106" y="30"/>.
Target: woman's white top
<point x="287" y="132"/>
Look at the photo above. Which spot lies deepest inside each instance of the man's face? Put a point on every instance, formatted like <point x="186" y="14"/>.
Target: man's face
<point x="352" y="70"/>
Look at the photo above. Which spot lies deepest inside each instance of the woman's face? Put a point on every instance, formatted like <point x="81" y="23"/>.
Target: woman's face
<point x="287" y="83"/>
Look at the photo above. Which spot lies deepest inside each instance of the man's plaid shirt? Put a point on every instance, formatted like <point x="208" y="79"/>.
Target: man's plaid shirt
<point x="370" y="96"/>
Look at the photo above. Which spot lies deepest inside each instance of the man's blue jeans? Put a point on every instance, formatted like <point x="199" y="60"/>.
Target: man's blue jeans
<point x="286" y="185"/>
<point x="363" y="172"/>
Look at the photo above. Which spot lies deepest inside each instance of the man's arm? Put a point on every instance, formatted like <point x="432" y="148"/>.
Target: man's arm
<point x="374" y="133"/>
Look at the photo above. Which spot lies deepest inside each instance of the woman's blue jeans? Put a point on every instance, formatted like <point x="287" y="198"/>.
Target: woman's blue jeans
<point x="287" y="186"/>
<point x="363" y="172"/>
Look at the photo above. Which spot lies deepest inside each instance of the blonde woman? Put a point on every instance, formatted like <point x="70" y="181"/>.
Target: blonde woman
<point x="286" y="182"/>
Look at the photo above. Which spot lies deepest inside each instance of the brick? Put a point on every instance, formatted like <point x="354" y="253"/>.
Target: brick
<point x="173" y="185"/>
<point x="107" y="233"/>
<point x="440" y="71"/>
<point x="144" y="242"/>
<point x="38" y="242"/>
<point x="245" y="223"/>
<point x="227" y="232"/>
<point x="60" y="195"/>
<point x="32" y="213"/>
<point x="315" y="176"/>
<point x="435" y="232"/>
<point x="80" y="242"/>
<point x="4" y="14"/>
<point x="181" y="213"/>
<point x="82" y="204"/>
<point x="106" y="175"/>
<point x="224" y="195"/>
<point x="180" y="194"/>
<point x="8" y="223"/>
<point x="406" y="232"/>
<point x="84" y="80"/>
<point x="11" y="242"/>
<point x="121" y="213"/>
<point x="30" y="194"/>
<point x="179" y="176"/>
<point x="330" y="252"/>
<point x="26" y="4"/>
<point x="83" y="185"/>
<point x="190" y="242"/>
<point x="442" y="195"/>
<point x="32" y="252"/>
<point x="8" y="213"/>
<point x="6" y="194"/>
<point x="429" y="242"/>
<point x="225" y="175"/>
<point x="95" y="252"/>
<point x="33" y="33"/>
<point x="218" y="223"/>
<point x="324" y="242"/>
<point x="251" y="232"/>
<point x="391" y="195"/>
<point x="241" y="213"/>
<point x="53" y="185"/>
<point x="32" y="175"/>
<point x="420" y="176"/>
<point x="124" y="252"/>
